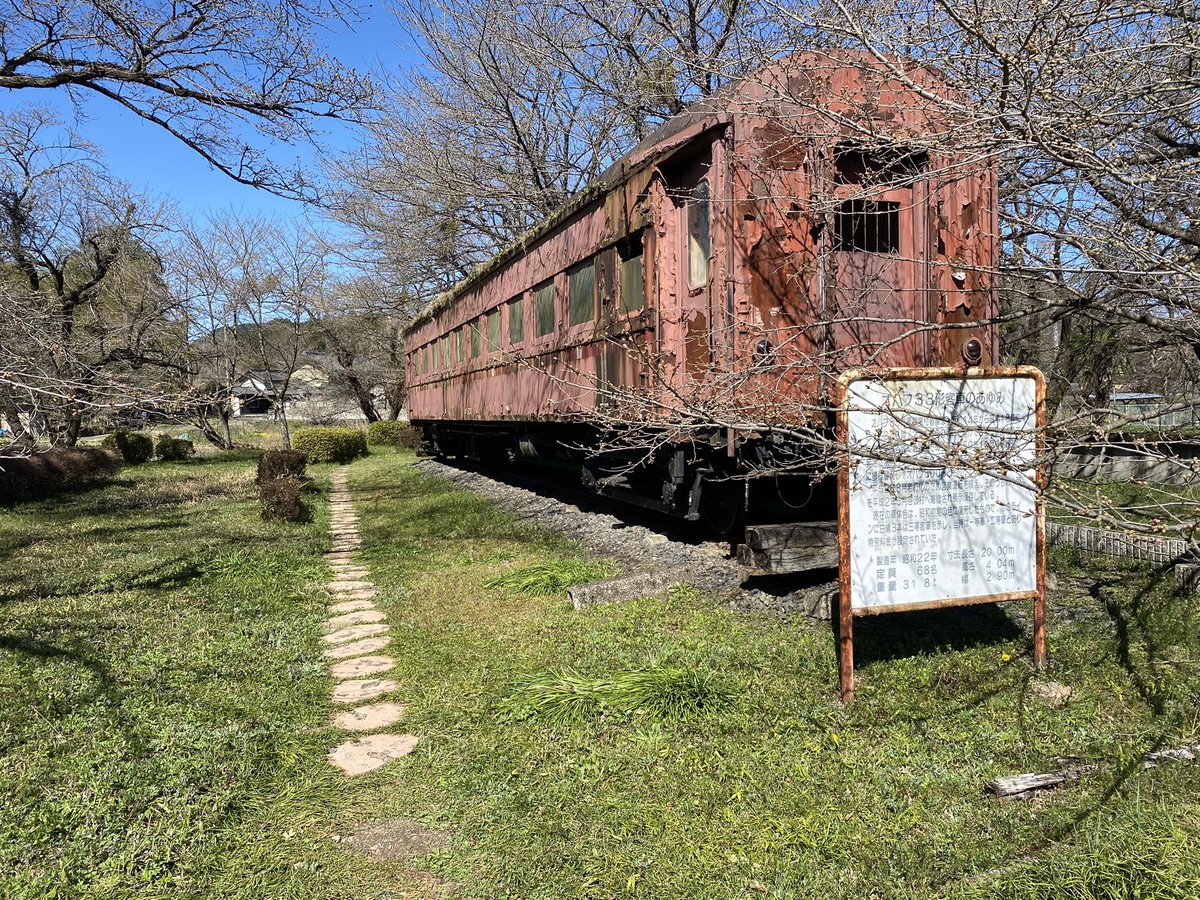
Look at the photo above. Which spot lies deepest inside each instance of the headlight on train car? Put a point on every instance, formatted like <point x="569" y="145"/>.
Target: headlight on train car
<point x="972" y="352"/>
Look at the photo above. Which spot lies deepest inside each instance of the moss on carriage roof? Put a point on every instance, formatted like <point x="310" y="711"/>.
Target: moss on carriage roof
<point x="616" y="174"/>
<point x="715" y="107"/>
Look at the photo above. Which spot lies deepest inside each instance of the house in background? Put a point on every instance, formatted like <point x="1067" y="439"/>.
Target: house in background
<point x="311" y="396"/>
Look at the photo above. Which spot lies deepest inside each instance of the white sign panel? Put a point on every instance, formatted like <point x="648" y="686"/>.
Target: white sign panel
<point x="942" y="505"/>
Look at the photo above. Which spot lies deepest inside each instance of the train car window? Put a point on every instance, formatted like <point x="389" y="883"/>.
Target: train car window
<point x="632" y="276"/>
<point x="869" y="226"/>
<point x="698" y="237"/>
<point x="582" y="293"/>
<point x="543" y="309"/>
<point x="493" y="331"/>
<point x="475" y="328"/>
<point x="516" y="321"/>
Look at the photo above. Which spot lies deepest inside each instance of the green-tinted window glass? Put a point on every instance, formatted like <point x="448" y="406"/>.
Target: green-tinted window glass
<point x="445" y="352"/>
<point x="543" y="308"/>
<point x="516" y="320"/>
<point x="582" y="294"/>
<point x="475" y="326"/>
<point x="493" y="331"/>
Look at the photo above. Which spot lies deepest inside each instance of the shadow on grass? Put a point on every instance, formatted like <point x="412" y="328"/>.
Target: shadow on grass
<point x="902" y="635"/>
<point x="22" y="644"/>
<point x="169" y="573"/>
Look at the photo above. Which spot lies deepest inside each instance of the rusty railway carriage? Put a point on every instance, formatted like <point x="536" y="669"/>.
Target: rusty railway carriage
<point x="673" y="333"/>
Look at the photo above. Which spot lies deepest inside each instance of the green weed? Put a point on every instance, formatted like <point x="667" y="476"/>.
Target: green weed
<point x="659" y="692"/>
<point x="550" y="578"/>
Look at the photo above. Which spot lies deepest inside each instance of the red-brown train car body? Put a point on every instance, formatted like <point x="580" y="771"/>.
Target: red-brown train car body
<point x="821" y="215"/>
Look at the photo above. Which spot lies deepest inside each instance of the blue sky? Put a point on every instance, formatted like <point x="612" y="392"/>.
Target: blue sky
<point x="152" y="161"/>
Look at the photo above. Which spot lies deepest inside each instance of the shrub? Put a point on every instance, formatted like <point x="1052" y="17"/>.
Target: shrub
<point x="393" y="434"/>
<point x="338" y="445"/>
<point x="53" y="471"/>
<point x="281" y="464"/>
<point x="172" y="449"/>
<point x="281" y="501"/>
<point x="134" y="448"/>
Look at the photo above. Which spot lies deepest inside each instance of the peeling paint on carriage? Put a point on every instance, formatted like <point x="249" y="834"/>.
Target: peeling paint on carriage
<point x="804" y="221"/>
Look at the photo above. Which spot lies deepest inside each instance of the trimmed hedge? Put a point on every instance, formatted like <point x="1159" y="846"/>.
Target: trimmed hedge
<point x="134" y="448"/>
<point x="281" y="501"/>
<point x="281" y="464"/>
<point x="337" y="445"/>
<point x="53" y="472"/>
<point x="393" y="434"/>
<point x="171" y="449"/>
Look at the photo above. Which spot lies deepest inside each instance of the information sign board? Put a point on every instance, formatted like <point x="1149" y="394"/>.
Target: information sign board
<point x="938" y="500"/>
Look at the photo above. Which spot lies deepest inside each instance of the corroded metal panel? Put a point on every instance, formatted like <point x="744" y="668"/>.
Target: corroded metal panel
<point x="786" y="306"/>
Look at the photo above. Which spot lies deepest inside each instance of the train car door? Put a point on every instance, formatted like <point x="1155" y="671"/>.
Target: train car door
<point x="877" y="261"/>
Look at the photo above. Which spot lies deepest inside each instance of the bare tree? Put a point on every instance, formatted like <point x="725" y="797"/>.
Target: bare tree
<point x="515" y="108"/>
<point x="85" y="313"/>
<point x="201" y="71"/>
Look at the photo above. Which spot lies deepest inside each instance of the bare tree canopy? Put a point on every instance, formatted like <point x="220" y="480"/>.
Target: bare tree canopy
<point x="207" y="71"/>
<point x="86" y="320"/>
<point x="514" y="108"/>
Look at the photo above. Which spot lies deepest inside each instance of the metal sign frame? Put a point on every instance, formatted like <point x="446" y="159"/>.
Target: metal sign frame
<point x="846" y="612"/>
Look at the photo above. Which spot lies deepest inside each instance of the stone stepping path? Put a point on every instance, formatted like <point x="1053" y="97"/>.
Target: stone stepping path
<point x="369" y="753"/>
<point x="354" y="634"/>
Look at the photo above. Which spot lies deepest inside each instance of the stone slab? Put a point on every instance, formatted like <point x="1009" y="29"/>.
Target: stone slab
<point x="357" y="594"/>
<point x="357" y="648"/>
<point x="349" y="606"/>
<point x="341" y="586"/>
<point x="335" y="555"/>
<point x="369" y="716"/>
<point x="354" y="691"/>
<point x="351" y="573"/>
<point x="397" y="839"/>
<point x="369" y="753"/>
<point x="362" y="666"/>
<point x="354" y="633"/>
<point x="362" y="617"/>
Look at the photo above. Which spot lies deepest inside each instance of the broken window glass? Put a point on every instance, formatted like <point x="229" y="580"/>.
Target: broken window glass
<point x="632" y="277"/>
<point x="699" y="239"/>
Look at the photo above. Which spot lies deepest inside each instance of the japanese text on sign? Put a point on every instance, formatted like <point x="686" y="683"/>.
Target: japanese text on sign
<point x="942" y="503"/>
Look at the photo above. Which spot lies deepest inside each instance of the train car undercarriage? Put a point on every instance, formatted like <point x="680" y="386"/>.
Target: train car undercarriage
<point x="771" y="497"/>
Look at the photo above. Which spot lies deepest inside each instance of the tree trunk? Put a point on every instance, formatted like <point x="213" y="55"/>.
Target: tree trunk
<point x="219" y="439"/>
<point x="283" y="419"/>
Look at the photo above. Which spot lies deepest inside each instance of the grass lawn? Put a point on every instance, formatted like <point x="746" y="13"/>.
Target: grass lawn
<point x="163" y="706"/>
